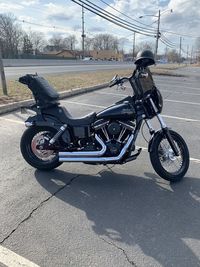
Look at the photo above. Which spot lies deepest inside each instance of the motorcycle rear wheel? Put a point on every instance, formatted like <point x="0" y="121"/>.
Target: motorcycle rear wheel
<point x="165" y="163"/>
<point x="40" y="159"/>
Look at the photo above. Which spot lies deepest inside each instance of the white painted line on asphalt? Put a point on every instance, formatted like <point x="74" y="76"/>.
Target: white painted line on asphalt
<point x="10" y="120"/>
<point x="11" y="259"/>
<point x="195" y="160"/>
<point x="182" y="102"/>
<point x="191" y="159"/>
<point x="105" y="93"/>
<point x="82" y="104"/>
<point x="169" y="91"/>
<point x="166" y="116"/>
<point x="179" y="92"/>
<point x="180" y="86"/>
<point x="180" y="118"/>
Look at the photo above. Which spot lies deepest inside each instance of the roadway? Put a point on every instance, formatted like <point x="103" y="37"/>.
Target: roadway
<point x="71" y="66"/>
<point x="81" y="215"/>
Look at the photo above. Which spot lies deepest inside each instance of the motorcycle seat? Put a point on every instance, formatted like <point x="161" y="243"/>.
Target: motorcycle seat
<point x="77" y="121"/>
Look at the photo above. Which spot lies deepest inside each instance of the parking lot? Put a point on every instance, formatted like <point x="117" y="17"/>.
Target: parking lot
<point x="122" y="215"/>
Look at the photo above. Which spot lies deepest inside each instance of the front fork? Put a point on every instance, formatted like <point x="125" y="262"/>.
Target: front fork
<point x="164" y="128"/>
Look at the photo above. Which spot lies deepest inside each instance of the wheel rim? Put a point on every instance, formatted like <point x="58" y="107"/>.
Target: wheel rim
<point x="39" y="139"/>
<point x="171" y="163"/>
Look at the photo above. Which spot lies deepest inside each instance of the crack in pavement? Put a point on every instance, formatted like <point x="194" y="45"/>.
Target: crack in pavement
<point x="43" y="202"/>
<point x="40" y="205"/>
<point x="119" y="248"/>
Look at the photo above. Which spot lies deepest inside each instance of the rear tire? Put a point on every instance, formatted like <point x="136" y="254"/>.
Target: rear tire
<point x="35" y="157"/>
<point x="163" y="160"/>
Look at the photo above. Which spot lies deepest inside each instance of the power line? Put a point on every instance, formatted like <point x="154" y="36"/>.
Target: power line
<point x="134" y="25"/>
<point x="124" y="21"/>
<point x="180" y="34"/>
<point x="43" y="25"/>
<point x="165" y="43"/>
<point x="164" y="30"/>
<point x="168" y="41"/>
<point x="110" y="18"/>
<point x="127" y="15"/>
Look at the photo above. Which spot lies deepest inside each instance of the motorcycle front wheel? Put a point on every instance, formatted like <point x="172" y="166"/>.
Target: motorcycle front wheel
<point x="40" y="159"/>
<point x="165" y="163"/>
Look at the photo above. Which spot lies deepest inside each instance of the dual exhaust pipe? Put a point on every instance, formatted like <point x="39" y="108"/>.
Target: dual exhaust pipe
<point x="94" y="156"/>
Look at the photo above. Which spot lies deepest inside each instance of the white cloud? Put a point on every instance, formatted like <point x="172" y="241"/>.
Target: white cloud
<point x="10" y="7"/>
<point x="30" y="2"/>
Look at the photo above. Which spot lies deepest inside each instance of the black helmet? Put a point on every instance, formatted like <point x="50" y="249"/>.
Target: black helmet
<point x="144" y="58"/>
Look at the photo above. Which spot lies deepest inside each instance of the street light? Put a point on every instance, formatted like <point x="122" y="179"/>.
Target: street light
<point x="158" y="34"/>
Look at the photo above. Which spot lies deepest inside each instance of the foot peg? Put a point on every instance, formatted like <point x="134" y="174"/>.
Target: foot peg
<point x="134" y="156"/>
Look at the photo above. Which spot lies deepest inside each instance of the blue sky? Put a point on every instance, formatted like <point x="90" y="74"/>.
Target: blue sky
<point x="64" y="17"/>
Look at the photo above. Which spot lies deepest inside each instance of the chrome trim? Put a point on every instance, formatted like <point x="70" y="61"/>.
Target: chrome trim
<point x="121" y="134"/>
<point x="162" y="123"/>
<point x="149" y="125"/>
<point x="127" y="126"/>
<point x="105" y="133"/>
<point x="86" y="153"/>
<point x="28" y="124"/>
<point x="97" y="127"/>
<point x="100" y="159"/>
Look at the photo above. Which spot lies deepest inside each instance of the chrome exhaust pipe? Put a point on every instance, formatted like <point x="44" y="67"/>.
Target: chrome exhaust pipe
<point x="99" y="159"/>
<point x="86" y="153"/>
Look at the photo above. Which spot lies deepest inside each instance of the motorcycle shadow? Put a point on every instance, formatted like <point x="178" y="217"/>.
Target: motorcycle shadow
<point x="130" y="211"/>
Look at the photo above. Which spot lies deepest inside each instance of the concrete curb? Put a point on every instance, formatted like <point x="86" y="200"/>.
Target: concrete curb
<point x="17" y="105"/>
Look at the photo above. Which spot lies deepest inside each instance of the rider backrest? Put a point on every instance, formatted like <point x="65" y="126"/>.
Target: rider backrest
<point x="43" y="92"/>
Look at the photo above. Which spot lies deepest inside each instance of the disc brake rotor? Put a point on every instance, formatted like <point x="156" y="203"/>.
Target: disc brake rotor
<point x="38" y="142"/>
<point x="169" y="161"/>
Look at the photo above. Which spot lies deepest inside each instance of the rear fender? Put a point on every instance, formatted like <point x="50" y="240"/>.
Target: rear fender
<point x="43" y="120"/>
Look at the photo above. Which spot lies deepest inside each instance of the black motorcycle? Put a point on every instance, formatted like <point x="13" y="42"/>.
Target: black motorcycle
<point x="107" y="137"/>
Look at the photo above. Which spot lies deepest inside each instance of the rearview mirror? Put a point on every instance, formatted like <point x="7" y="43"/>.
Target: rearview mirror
<point x="114" y="78"/>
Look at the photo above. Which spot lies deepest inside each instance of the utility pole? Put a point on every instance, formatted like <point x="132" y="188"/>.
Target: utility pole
<point x="133" y="46"/>
<point x="83" y="34"/>
<point x="180" y="48"/>
<point x="3" y="78"/>
<point x="191" y="57"/>
<point x="187" y="52"/>
<point x="157" y="35"/>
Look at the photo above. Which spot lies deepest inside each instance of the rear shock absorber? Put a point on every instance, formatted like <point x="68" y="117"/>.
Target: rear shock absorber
<point x="58" y="134"/>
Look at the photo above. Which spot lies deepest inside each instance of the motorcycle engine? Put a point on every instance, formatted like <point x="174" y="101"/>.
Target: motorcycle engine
<point x="114" y="128"/>
<point x="114" y="147"/>
<point x="114" y="134"/>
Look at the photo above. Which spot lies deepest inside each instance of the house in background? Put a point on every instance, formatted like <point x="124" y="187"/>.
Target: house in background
<point x="94" y="54"/>
<point x="106" y="55"/>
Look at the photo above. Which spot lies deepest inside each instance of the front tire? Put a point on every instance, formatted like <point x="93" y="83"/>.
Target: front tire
<point x="163" y="160"/>
<point x="40" y="159"/>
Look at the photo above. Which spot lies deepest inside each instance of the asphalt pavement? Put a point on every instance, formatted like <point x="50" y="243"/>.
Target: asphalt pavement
<point x="122" y="215"/>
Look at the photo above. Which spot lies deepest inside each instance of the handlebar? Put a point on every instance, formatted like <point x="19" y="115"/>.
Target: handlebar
<point x="117" y="80"/>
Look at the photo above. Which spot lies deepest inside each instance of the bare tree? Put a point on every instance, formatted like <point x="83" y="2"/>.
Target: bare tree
<point x="10" y="35"/>
<point x="105" y="42"/>
<point x="27" y="45"/>
<point x="70" y="42"/>
<point x="173" y="56"/>
<point x="38" y="41"/>
<point x="197" y="45"/>
<point x="88" y="43"/>
<point x="57" y="42"/>
<point x="145" y="45"/>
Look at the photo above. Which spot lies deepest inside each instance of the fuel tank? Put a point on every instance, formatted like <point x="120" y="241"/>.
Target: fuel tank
<point x="118" y="111"/>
